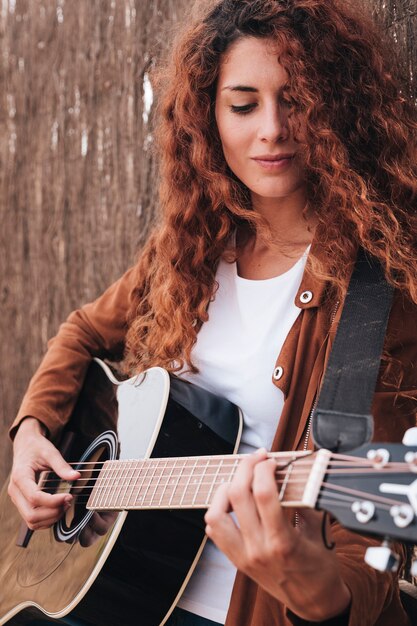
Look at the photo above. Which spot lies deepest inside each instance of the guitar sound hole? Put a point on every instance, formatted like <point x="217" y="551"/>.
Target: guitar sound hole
<point x="78" y="521"/>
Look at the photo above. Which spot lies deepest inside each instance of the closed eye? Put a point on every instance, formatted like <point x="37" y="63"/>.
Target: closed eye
<point x="246" y="108"/>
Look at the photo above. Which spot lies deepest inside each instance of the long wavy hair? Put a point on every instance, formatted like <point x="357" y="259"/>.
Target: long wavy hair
<point x="360" y="158"/>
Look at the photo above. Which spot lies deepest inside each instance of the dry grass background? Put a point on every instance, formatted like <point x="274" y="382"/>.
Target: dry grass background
<point x="77" y="174"/>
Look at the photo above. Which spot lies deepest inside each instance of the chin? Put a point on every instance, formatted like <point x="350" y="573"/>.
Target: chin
<point x="274" y="193"/>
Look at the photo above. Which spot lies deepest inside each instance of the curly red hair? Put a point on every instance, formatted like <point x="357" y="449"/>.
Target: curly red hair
<point x="360" y="160"/>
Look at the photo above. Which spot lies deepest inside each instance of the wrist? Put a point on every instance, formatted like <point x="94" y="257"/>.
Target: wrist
<point x="31" y="425"/>
<point x="342" y="619"/>
<point x="341" y="602"/>
<point x="332" y="611"/>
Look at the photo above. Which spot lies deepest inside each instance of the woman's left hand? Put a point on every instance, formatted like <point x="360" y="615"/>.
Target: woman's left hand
<point x="291" y="564"/>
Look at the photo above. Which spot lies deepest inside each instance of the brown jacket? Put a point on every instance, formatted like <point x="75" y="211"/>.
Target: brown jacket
<point x="99" y="328"/>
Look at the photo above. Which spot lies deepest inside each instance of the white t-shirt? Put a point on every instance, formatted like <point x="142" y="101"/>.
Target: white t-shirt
<point x="236" y="352"/>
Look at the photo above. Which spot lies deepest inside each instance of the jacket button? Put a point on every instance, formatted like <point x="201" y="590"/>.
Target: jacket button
<point x="278" y="372"/>
<point x="306" y="297"/>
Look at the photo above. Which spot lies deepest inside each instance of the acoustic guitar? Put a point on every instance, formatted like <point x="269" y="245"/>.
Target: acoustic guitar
<point x="151" y="451"/>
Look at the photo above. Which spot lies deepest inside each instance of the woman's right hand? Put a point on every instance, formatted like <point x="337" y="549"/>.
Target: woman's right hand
<point x="32" y="454"/>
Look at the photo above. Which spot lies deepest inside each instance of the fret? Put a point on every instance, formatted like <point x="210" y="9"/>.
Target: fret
<point x="113" y="483"/>
<point x="188" y="483"/>
<point x="168" y="480"/>
<point x="210" y="473"/>
<point x="285" y="483"/>
<point x="120" y="493"/>
<point x="158" y="481"/>
<point x="213" y="482"/>
<point x="178" y="481"/>
<point x="98" y="489"/>
<point x="139" y="498"/>
<point x="133" y="489"/>
<point x="200" y="482"/>
<point x="154" y="467"/>
<point x="106" y="473"/>
<point x="234" y="468"/>
<point x="94" y="500"/>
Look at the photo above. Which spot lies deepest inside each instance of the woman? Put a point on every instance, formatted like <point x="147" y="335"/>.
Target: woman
<point x="282" y="127"/>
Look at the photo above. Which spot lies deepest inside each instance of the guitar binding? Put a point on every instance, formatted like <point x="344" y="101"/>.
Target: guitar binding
<point x="103" y="448"/>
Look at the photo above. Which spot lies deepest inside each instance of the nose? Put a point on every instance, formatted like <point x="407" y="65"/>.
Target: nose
<point x="273" y="124"/>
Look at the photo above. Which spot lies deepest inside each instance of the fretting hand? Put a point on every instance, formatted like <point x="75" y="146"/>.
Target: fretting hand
<point x="291" y="564"/>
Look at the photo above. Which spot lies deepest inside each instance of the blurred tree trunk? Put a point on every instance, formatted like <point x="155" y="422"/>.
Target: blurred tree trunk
<point x="77" y="173"/>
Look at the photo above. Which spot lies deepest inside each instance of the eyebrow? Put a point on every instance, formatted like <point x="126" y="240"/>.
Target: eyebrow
<point x="240" y="88"/>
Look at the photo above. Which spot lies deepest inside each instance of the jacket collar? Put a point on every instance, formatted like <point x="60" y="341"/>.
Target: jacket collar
<point x="312" y="288"/>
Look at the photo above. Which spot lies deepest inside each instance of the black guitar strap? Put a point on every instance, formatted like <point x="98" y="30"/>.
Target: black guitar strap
<point x="342" y="419"/>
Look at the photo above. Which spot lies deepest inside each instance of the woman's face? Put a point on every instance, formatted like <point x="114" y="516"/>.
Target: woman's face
<point x="252" y="119"/>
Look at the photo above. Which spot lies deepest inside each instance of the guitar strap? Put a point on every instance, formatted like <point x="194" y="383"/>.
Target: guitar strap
<point x="342" y="419"/>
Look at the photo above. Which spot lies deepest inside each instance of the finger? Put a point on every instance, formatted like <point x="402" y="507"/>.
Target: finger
<point x="44" y="524"/>
<point x="33" y="494"/>
<point x="49" y="458"/>
<point x="241" y="496"/>
<point x="272" y="517"/>
<point x="100" y="523"/>
<point x="34" y="517"/>
<point x="87" y="537"/>
<point x="220" y="526"/>
<point x="53" y="459"/>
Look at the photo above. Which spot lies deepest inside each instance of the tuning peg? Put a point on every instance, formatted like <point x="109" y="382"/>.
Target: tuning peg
<point x="410" y="437"/>
<point x="382" y="558"/>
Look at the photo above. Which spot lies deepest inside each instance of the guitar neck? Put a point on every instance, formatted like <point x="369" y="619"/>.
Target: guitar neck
<point x="190" y="482"/>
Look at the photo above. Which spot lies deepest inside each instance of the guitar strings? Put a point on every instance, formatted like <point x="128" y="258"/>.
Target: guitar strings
<point x="342" y="500"/>
<point x="359" y="464"/>
<point x="128" y="472"/>
<point x="357" y="461"/>
<point x="151" y="488"/>
<point x="118" y="476"/>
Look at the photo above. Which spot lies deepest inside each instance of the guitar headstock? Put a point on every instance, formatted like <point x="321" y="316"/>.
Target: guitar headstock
<point x="373" y="490"/>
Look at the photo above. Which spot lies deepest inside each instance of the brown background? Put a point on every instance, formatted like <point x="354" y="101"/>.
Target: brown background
<point x="77" y="176"/>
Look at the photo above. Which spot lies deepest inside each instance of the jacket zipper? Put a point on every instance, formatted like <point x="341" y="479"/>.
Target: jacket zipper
<point x="313" y="408"/>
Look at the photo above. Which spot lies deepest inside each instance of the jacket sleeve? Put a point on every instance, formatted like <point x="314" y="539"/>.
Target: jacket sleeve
<point x="97" y="329"/>
<point x="375" y="595"/>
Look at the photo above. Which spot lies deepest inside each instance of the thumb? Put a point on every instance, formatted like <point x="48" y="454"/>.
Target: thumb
<point x="57" y="463"/>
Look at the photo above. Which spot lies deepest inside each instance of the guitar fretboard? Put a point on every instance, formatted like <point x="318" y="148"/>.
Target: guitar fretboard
<point x="190" y="482"/>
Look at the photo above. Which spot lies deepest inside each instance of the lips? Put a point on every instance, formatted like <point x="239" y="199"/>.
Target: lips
<point x="273" y="157"/>
<point x="274" y="163"/>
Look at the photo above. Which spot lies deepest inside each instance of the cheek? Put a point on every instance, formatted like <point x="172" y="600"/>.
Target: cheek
<point x="232" y="129"/>
<point x="234" y="140"/>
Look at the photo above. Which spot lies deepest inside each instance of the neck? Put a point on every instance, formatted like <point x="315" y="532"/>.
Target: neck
<point x="288" y="219"/>
<point x="190" y="482"/>
<point x="273" y="250"/>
